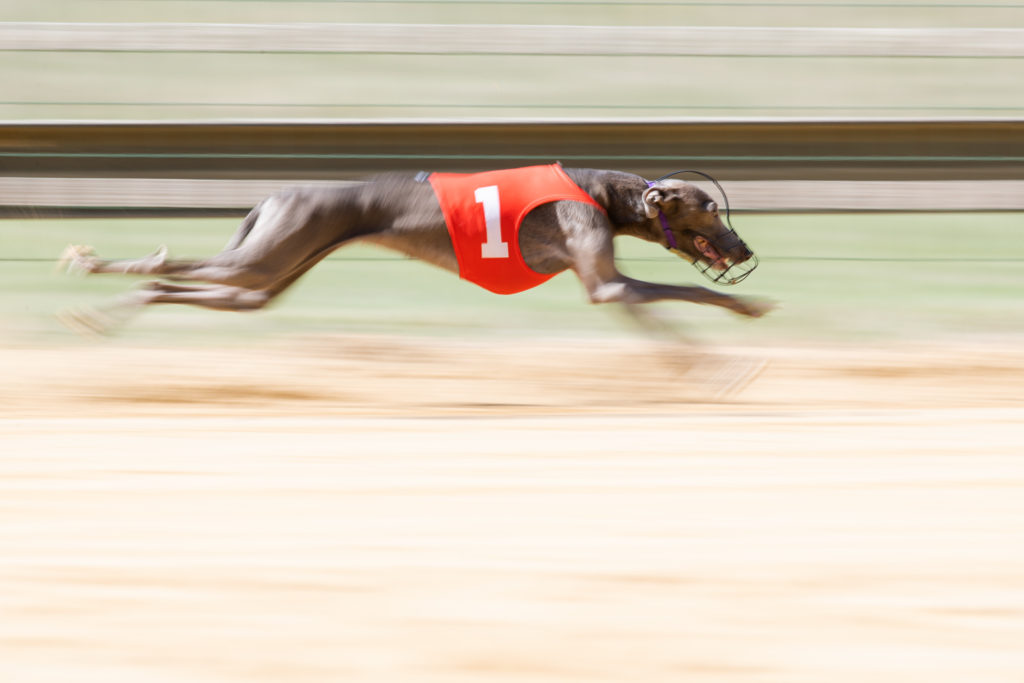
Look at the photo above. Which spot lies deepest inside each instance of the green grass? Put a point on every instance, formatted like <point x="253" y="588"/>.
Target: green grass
<point x="839" y="278"/>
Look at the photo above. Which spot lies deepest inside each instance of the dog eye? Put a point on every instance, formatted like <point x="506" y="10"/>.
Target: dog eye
<point x="711" y="207"/>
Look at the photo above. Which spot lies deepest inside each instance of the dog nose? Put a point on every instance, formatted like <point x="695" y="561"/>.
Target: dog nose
<point x="742" y="253"/>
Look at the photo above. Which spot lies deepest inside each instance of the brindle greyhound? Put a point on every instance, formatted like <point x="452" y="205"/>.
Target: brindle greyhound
<point x="290" y="232"/>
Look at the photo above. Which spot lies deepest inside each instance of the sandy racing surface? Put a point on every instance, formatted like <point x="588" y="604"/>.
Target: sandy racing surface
<point x="375" y="509"/>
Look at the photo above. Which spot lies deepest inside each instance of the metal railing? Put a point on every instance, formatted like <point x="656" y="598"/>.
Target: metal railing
<point x="734" y="149"/>
<point x="939" y="164"/>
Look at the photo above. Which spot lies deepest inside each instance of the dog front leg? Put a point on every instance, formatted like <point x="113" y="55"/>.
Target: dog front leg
<point x="630" y="291"/>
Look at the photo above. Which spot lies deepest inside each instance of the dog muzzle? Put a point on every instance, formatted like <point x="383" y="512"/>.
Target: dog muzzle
<point x="714" y="264"/>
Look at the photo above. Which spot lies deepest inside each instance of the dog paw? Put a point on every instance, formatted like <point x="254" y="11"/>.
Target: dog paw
<point x="754" y="307"/>
<point x="158" y="257"/>
<point x="77" y="259"/>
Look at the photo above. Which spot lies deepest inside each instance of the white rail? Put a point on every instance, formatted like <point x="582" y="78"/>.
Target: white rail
<point x="785" y="195"/>
<point x="442" y="39"/>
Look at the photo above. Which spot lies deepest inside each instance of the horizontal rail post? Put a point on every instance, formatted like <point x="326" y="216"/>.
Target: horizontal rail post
<point x="497" y="39"/>
<point x="730" y="149"/>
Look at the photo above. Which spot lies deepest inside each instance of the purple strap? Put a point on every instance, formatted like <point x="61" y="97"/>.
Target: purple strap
<point x="664" y="225"/>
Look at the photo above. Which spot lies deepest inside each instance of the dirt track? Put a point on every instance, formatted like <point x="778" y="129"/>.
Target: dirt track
<point x="385" y="510"/>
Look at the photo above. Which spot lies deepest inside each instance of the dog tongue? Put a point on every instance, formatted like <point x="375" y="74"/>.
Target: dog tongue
<point x="705" y="248"/>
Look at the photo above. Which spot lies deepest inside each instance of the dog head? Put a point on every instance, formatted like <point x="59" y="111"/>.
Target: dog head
<point x="694" y="230"/>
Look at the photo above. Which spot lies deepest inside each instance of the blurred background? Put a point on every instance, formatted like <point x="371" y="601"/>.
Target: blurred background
<point x="526" y="58"/>
<point x="872" y="150"/>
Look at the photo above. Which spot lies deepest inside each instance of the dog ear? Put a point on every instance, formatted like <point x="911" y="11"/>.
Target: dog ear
<point x="654" y="199"/>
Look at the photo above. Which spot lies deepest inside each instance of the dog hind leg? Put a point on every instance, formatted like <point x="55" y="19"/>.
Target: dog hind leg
<point x="229" y="268"/>
<point x="217" y="297"/>
<point x="106" y="319"/>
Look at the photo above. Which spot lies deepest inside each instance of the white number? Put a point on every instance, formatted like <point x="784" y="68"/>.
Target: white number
<point x="493" y="247"/>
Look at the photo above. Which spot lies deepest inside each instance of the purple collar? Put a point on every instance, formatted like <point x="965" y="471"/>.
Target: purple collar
<point x="672" y="244"/>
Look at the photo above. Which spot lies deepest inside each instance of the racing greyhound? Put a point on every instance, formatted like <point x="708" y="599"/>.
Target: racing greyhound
<point x="555" y="220"/>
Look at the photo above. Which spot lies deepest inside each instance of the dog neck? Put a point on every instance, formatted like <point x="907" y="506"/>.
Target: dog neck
<point x="621" y="195"/>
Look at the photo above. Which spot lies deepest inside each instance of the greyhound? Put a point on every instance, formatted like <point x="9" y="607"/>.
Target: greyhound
<point x="290" y="232"/>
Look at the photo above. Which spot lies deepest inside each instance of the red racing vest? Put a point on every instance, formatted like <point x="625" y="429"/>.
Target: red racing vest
<point x="483" y="212"/>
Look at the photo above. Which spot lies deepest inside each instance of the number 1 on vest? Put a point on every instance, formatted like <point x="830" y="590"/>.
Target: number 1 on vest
<point x="493" y="247"/>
